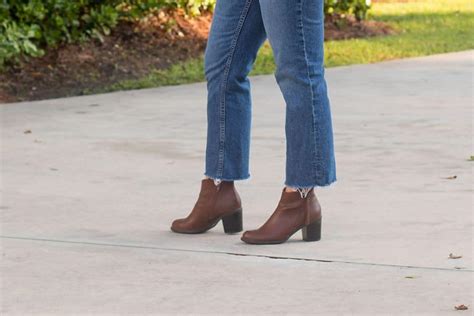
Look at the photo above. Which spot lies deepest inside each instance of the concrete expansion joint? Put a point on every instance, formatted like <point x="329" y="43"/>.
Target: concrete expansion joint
<point x="94" y="243"/>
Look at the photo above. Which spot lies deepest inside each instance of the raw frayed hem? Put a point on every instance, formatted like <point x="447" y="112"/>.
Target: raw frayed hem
<point x="317" y="185"/>
<point x="303" y="191"/>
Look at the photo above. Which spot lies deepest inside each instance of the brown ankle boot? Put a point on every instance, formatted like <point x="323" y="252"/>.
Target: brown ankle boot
<point x="214" y="203"/>
<point x="293" y="213"/>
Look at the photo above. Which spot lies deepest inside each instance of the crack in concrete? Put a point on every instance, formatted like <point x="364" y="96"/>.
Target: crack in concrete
<point x="92" y="243"/>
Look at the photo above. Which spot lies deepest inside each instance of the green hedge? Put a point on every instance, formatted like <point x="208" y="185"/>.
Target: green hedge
<point x="27" y="27"/>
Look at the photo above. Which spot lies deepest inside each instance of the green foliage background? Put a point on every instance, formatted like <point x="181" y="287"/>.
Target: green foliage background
<point x="28" y="27"/>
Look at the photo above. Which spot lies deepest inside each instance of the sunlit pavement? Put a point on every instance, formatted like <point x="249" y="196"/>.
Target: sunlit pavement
<point x="91" y="184"/>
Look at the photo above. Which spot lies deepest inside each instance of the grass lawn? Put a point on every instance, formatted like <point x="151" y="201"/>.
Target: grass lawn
<point x="424" y="27"/>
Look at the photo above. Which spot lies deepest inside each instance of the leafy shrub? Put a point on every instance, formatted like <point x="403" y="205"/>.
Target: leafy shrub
<point x="27" y="27"/>
<point x="194" y="7"/>
<point x="358" y="8"/>
<point x="135" y="9"/>
<point x="16" y="40"/>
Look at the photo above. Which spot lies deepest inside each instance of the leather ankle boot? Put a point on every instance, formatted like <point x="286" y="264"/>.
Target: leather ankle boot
<point x="293" y="213"/>
<point x="215" y="202"/>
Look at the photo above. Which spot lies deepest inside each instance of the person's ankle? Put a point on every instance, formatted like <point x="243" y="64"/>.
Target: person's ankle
<point x="303" y="191"/>
<point x="290" y="189"/>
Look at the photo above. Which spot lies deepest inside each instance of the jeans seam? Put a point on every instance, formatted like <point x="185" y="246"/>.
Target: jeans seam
<point x="222" y="103"/>
<point x="316" y="161"/>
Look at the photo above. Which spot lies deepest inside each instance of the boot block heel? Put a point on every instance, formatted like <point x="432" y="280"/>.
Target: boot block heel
<point x="312" y="232"/>
<point x="233" y="222"/>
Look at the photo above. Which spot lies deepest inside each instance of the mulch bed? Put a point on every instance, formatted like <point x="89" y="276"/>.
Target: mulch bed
<point x="131" y="52"/>
<point x="340" y="28"/>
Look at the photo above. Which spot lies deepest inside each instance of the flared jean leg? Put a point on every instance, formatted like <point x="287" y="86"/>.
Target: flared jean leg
<point x="235" y="36"/>
<point x="295" y="29"/>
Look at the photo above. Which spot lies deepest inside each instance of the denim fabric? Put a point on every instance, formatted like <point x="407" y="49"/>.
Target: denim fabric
<point x="295" y="30"/>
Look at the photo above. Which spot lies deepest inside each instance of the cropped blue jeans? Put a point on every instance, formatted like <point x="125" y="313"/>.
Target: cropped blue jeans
<point x="295" y="31"/>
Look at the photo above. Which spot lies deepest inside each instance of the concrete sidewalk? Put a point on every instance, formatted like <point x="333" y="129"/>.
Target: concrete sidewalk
<point x="91" y="184"/>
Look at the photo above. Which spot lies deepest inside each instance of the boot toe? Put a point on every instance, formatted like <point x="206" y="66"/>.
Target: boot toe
<point x="178" y="225"/>
<point x="250" y="236"/>
<point x="259" y="237"/>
